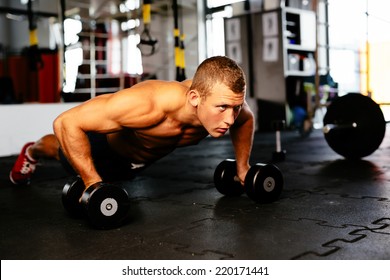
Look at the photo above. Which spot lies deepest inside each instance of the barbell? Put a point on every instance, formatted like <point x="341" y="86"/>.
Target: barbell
<point x="354" y="126"/>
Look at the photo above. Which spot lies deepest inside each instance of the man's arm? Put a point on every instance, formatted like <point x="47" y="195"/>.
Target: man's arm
<point x="103" y="114"/>
<point x="241" y="134"/>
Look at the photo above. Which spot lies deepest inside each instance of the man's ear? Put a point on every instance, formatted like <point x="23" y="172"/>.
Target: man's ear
<point x="194" y="98"/>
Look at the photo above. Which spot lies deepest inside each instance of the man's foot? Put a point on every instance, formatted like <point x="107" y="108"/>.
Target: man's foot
<point x="23" y="168"/>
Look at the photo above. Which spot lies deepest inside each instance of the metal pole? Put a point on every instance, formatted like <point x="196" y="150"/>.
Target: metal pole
<point x="369" y="93"/>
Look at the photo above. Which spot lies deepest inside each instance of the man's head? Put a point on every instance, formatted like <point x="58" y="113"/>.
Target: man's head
<point x="218" y="93"/>
<point x="218" y="69"/>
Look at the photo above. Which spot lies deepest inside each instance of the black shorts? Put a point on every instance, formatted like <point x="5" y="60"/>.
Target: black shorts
<point x="109" y="165"/>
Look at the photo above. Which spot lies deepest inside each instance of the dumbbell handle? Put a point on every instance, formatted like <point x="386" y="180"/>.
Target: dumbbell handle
<point x="329" y="127"/>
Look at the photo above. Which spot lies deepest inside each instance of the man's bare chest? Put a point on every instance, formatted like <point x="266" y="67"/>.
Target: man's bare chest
<point x="170" y="136"/>
<point x="153" y="143"/>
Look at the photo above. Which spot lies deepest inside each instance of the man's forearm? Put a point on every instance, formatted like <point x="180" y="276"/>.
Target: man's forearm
<point x="242" y="138"/>
<point x="76" y="148"/>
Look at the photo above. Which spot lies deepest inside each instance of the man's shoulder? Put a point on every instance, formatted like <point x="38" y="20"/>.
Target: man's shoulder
<point x="157" y="86"/>
<point x="157" y="92"/>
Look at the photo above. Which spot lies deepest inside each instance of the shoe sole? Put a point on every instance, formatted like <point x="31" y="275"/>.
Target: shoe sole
<point x="26" y="182"/>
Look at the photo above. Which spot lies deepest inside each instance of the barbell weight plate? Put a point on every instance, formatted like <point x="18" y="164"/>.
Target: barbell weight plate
<point x="71" y="194"/>
<point x="264" y="183"/>
<point x="224" y="179"/>
<point x="107" y="206"/>
<point x="356" y="126"/>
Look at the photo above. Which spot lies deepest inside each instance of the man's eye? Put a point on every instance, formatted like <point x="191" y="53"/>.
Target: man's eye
<point x="222" y="107"/>
<point x="237" y="108"/>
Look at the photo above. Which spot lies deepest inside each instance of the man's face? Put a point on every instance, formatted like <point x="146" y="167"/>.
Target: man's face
<point x="218" y="110"/>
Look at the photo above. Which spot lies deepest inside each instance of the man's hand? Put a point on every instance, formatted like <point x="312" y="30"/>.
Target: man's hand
<point x="88" y="185"/>
<point x="241" y="173"/>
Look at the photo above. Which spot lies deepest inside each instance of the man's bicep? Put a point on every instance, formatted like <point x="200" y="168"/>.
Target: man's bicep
<point x="91" y="115"/>
<point x="134" y="110"/>
<point x="110" y="113"/>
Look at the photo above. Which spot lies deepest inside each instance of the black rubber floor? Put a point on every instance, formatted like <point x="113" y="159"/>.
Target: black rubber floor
<point x="330" y="209"/>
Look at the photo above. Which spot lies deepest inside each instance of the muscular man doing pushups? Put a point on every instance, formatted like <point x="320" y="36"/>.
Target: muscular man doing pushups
<point x="111" y="136"/>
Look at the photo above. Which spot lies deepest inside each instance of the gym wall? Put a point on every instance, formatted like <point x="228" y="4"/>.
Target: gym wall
<point x="22" y="123"/>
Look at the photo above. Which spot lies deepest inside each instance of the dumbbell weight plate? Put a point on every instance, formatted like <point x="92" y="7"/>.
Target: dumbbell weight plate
<point x="264" y="183"/>
<point x="106" y="205"/>
<point x="224" y="179"/>
<point x="71" y="194"/>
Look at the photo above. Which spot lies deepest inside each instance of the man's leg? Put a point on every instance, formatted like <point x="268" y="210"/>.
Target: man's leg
<point x="24" y="167"/>
<point x="46" y="147"/>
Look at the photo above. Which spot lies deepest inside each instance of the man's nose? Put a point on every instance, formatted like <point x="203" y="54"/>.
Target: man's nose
<point x="229" y="117"/>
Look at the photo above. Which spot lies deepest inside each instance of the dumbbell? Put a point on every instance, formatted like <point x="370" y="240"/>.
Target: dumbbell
<point x="104" y="205"/>
<point x="71" y="193"/>
<point x="263" y="182"/>
<point x="225" y="179"/>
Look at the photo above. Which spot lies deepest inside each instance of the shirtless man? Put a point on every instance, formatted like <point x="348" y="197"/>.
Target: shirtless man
<point x="112" y="135"/>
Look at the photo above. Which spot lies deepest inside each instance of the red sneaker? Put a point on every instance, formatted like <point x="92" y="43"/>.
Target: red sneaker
<point x="23" y="168"/>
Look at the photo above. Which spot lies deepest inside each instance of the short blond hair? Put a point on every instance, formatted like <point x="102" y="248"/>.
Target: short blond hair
<point x="218" y="69"/>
